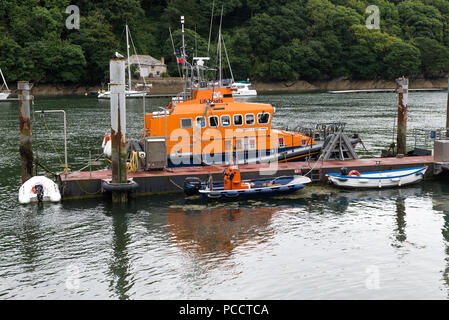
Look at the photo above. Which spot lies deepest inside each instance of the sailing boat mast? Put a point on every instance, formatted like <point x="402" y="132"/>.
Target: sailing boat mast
<point x="127" y="52"/>
<point x="219" y="49"/>
<point x="4" y="81"/>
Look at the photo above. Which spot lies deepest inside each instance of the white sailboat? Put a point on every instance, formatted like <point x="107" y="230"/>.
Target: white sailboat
<point x="4" y="94"/>
<point x="129" y="93"/>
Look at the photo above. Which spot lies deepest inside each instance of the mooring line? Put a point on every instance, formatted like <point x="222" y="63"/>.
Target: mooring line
<point x="175" y="184"/>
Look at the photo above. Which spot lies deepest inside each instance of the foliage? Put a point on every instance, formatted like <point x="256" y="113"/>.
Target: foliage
<point x="277" y="40"/>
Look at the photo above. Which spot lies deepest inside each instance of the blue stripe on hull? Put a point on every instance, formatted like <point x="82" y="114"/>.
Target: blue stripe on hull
<point x="222" y="158"/>
<point x="236" y="195"/>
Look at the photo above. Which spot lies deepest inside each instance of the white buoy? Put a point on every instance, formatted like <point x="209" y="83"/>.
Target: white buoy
<point x="39" y="189"/>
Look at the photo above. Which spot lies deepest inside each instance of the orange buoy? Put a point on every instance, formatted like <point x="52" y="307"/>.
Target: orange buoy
<point x="354" y="172"/>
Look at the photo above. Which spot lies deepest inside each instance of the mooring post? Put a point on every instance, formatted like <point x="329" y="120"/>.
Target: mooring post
<point x="25" y="149"/>
<point x="118" y="127"/>
<point x="402" y="90"/>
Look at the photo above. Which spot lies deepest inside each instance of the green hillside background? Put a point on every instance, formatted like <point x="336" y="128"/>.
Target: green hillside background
<point x="269" y="40"/>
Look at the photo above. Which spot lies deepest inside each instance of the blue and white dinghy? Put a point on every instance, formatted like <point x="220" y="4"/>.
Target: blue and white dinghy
<point x="378" y="179"/>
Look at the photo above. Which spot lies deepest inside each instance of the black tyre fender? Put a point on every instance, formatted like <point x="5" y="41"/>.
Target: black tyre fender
<point x="108" y="186"/>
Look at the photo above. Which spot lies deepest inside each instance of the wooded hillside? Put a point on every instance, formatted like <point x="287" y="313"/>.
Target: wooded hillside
<point x="265" y="39"/>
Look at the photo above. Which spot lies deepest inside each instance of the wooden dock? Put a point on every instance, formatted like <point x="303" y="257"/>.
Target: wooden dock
<point x="85" y="184"/>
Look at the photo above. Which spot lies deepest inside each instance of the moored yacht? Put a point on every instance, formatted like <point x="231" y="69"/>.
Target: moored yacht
<point x="129" y="93"/>
<point x="243" y="89"/>
<point x="4" y="94"/>
<point x="102" y="94"/>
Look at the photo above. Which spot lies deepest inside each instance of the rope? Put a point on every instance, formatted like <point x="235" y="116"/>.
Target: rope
<point x="99" y="156"/>
<point x="314" y="166"/>
<point x="38" y="163"/>
<point x="363" y="145"/>
<point x="52" y="143"/>
<point x="177" y="185"/>
<point x="133" y="162"/>
<point x="89" y="193"/>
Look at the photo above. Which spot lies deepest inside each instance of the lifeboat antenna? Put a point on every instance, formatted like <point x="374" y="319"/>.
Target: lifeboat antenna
<point x="219" y="49"/>
<point x="183" y="53"/>
<point x="174" y="50"/>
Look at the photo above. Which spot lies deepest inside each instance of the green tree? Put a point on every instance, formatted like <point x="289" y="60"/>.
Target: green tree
<point x="98" y="44"/>
<point x="420" y="20"/>
<point x="434" y="57"/>
<point x="403" y="59"/>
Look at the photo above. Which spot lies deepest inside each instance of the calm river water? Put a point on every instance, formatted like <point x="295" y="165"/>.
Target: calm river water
<point x="320" y="243"/>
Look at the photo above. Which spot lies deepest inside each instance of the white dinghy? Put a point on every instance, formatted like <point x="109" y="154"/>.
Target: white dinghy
<point x="39" y="189"/>
<point x="378" y="179"/>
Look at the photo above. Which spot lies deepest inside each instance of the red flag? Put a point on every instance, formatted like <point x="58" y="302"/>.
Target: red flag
<point x="180" y="60"/>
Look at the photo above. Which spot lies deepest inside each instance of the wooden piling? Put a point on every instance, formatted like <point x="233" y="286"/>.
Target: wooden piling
<point x="25" y="148"/>
<point x="402" y="90"/>
<point x="118" y="127"/>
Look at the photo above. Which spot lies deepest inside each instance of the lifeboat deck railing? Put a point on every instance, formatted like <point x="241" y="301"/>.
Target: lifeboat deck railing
<point x="320" y="131"/>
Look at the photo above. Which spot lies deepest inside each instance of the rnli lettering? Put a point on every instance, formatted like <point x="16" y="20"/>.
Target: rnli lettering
<point x="204" y="101"/>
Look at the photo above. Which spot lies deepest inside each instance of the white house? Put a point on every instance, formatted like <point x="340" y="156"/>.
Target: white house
<point x="149" y="66"/>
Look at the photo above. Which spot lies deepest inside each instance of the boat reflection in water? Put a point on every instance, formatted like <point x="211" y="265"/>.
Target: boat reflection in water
<point x="219" y="230"/>
<point x="345" y="198"/>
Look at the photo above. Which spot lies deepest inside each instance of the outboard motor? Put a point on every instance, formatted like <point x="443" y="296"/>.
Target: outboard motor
<point x="344" y="171"/>
<point x="192" y="185"/>
<point x="39" y="192"/>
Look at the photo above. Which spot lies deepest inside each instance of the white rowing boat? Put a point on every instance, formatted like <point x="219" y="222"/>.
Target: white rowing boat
<point x="378" y="179"/>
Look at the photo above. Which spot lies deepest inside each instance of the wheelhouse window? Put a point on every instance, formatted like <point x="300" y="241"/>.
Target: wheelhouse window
<point x="225" y="121"/>
<point x="213" y="121"/>
<point x="238" y="120"/>
<point x="263" y="118"/>
<point x="249" y="119"/>
<point x="186" y="123"/>
<point x="201" y="122"/>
